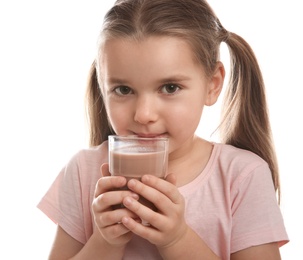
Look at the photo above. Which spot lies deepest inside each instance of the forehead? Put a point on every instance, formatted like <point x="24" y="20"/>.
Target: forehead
<point x="152" y="52"/>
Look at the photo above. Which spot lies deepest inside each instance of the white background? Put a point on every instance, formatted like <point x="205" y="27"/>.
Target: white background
<point x="46" y="48"/>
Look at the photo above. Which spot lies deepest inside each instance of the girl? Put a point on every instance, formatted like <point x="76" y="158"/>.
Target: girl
<point x="157" y="67"/>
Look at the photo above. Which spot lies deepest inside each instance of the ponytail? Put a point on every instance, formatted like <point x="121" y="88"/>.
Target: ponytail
<point x="99" y="127"/>
<point x="245" y="122"/>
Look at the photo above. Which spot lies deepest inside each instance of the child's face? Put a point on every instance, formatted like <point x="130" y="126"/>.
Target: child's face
<point x="154" y="87"/>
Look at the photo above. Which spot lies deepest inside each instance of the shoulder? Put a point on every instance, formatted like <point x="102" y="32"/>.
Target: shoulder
<point x="86" y="163"/>
<point x="240" y="158"/>
<point x="94" y="155"/>
<point x="236" y="166"/>
<point x="94" y="151"/>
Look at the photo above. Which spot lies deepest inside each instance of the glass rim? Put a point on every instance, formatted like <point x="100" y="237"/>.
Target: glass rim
<point x="136" y="137"/>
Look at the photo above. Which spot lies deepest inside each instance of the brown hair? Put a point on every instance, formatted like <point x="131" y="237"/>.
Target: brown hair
<point x="245" y="122"/>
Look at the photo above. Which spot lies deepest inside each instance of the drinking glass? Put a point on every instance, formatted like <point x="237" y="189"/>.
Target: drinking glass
<point x="133" y="157"/>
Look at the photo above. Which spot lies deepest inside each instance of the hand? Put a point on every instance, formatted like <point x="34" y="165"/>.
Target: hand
<point x="167" y="224"/>
<point x="107" y="220"/>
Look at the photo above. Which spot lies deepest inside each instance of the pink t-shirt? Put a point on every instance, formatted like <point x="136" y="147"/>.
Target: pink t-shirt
<point x="231" y="205"/>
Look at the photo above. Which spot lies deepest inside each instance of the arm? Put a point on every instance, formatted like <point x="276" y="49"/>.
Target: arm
<point x="66" y="247"/>
<point x="190" y="246"/>
<point x="110" y="237"/>
<point x="266" y="251"/>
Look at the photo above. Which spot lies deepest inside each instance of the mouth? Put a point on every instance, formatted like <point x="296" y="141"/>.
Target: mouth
<point x="151" y="135"/>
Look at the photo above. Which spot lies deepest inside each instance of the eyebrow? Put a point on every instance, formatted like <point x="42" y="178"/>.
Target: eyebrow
<point x="174" y="78"/>
<point x="112" y="80"/>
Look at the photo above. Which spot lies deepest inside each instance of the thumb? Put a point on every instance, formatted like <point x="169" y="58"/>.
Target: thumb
<point x="105" y="170"/>
<point x="172" y="178"/>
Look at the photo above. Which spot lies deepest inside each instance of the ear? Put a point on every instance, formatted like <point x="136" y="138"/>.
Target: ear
<point x="215" y="84"/>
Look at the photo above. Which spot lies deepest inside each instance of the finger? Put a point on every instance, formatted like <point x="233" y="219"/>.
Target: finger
<point x="109" y="183"/>
<point x="110" y="218"/>
<point x="147" y="215"/>
<point x="105" y="170"/>
<point x="164" y="187"/>
<point x="109" y="199"/>
<point x="116" y="231"/>
<point x="162" y="194"/>
<point x="116" y="234"/>
<point x="171" y="178"/>
<point x="147" y="232"/>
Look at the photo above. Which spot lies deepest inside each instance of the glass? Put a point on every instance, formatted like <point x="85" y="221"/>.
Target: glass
<point x="133" y="157"/>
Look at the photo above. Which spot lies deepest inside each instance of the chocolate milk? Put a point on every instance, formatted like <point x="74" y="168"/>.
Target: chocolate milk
<point x="137" y="164"/>
<point x="133" y="165"/>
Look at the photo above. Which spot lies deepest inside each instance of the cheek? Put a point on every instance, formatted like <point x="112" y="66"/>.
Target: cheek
<point x="185" y="119"/>
<point x="117" y="117"/>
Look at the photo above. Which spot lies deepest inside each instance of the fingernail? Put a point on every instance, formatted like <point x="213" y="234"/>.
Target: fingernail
<point x="125" y="220"/>
<point x="127" y="201"/>
<point x="135" y="196"/>
<point x="131" y="183"/>
<point x="145" y="178"/>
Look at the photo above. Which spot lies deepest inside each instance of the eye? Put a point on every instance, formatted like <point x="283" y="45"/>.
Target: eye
<point x="122" y="90"/>
<point x="170" y="88"/>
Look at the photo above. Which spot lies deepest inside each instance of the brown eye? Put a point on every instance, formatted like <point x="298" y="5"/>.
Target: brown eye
<point x="170" y="88"/>
<point x="122" y="90"/>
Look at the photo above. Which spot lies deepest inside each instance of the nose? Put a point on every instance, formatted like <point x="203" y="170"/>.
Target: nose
<point x="145" y="110"/>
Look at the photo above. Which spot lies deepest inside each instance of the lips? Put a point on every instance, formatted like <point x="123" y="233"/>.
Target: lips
<point x="151" y="135"/>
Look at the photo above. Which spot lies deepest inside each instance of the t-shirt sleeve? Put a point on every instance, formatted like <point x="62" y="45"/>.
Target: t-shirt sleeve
<point x="63" y="201"/>
<point x="257" y="218"/>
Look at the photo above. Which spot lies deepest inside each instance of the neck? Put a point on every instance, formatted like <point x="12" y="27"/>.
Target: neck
<point x="189" y="161"/>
